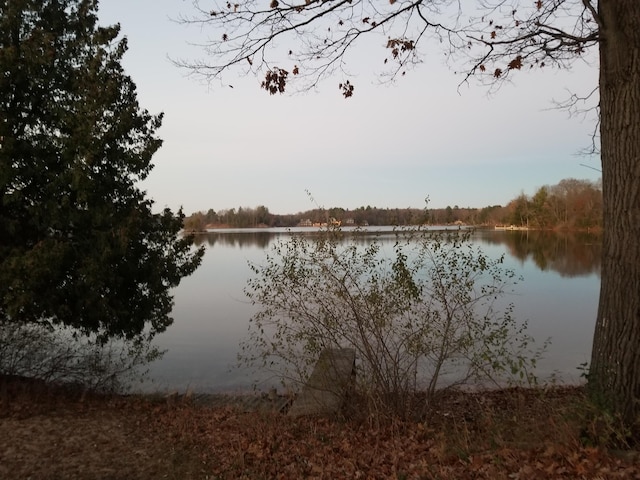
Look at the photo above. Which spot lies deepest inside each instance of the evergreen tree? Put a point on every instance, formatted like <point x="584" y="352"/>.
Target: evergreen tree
<point x="79" y="243"/>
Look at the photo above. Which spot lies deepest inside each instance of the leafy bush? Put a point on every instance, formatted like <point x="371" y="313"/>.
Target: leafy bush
<point x="427" y="316"/>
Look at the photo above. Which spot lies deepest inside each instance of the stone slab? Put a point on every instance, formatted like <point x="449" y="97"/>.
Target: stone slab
<point x="327" y="387"/>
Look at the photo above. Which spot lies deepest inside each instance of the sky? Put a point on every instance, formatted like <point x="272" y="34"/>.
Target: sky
<point x="388" y="146"/>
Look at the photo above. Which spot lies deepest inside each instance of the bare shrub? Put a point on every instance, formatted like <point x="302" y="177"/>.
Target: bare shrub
<point x="63" y="355"/>
<point x="427" y="316"/>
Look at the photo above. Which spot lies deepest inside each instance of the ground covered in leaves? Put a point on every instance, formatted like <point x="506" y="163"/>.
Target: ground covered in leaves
<point x="61" y="433"/>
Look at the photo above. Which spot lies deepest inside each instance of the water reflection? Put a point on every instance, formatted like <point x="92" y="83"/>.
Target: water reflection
<point x="262" y="237"/>
<point x="242" y="240"/>
<point x="569" y="254"/>
<point x="558" y="298"/>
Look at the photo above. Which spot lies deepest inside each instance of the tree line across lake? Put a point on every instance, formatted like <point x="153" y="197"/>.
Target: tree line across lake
<point x="571" y="204"/>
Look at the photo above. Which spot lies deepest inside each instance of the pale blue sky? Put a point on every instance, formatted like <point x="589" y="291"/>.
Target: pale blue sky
<point x="387" y="146"/>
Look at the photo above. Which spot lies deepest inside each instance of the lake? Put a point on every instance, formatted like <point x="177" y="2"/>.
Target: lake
<point x="558" y="297"/>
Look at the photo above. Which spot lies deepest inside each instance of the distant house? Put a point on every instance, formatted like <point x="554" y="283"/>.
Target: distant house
<point x="305" y="223"/>
<point x="349" y="221"/>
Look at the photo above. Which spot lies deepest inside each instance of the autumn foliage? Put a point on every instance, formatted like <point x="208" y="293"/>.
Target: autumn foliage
<point x="509" y="434"/>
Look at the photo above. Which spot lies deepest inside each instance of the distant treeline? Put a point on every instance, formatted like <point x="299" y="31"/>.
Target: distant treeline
<point x="571" y="204"/>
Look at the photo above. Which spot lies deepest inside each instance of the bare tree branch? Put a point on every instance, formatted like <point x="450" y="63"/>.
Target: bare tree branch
<point x="584" y="107"/>
<point x="323" y="33"/>
<point x="312" y="39"/>
<point x="552" y="33"/>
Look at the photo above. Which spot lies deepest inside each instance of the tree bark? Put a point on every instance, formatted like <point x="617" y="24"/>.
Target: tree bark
<point x="614" y="379"/>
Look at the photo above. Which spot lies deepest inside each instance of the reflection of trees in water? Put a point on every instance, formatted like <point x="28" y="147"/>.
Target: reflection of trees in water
<point x="236" y="239"/>
<point x="569" y="254"/>
<point x="262" y="239"/>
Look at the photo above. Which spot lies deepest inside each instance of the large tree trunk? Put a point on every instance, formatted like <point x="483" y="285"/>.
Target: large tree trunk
<point x="615" y="364"/>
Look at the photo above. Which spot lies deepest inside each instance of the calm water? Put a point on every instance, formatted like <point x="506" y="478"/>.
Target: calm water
<point x="559" y="298"/>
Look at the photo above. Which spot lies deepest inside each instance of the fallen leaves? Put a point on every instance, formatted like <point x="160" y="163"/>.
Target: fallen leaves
<point x="508" y="434"/>
<point x="485" y="436"/>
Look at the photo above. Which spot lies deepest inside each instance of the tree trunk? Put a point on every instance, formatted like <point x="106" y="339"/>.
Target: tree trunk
<point x="614" y="379"/>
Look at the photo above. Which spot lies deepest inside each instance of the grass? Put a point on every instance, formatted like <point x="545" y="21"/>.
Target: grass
<point x="50" y="432"/>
